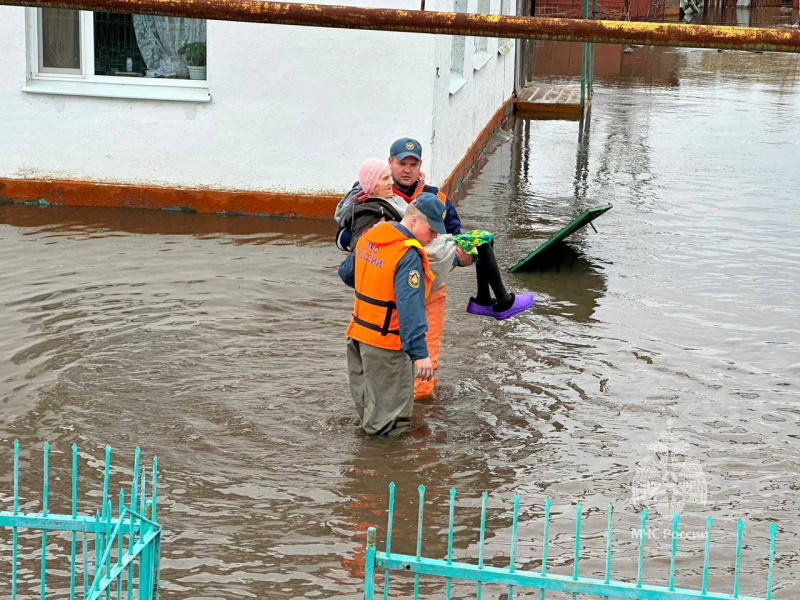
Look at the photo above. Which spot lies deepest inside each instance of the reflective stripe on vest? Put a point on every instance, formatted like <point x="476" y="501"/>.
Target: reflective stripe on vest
<point x="377" y="254"/>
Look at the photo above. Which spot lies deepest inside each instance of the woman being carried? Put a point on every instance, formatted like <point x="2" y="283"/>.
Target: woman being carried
<point x="375" y="202"/>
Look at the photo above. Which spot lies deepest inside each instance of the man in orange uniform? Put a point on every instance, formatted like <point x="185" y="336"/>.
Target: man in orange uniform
<point x="405" y="161"/>
<point x="388" y="327"/>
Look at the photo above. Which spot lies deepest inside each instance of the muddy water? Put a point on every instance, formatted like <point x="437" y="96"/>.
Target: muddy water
<point x="217" y="343"/>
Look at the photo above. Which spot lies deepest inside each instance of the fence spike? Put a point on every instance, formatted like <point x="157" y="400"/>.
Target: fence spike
<point x="73" y="558"/>
<point x="450" y="539"/>
<point x="369" y="564"/>
<point x="545" y="540"/>
<point x="120" y="510"/>
<point x="157" y="549"/>
<point x="143" y="576"/>
<point x="577" y="558"/>
<point x="640" y="564"/>
<point x="609" y="527"/>
<point x="484" y="498"/>
<point x="513" y="542"/>
<point x="738" y="559"/>
<point x="675" y="518"/>
<point x="143" y="493"/>
<point x="45" y="492"/>
<point x="98" y="544"/>
<point x="155" y="488"/>
<point x="109" y="542"/>
<point x="706" y="553"/>
<point x="105" y="478"/>
<point x="577" y="541"/>
<point x="157" y="554"/>
<point x="131" y="535"/>
<point x="135" y="482"/>
<point x="772" y="528"/>
<point x="390" y="521"/>
<point x="421" y="490"/>
<point x="85" y="563"/>
<point x="14" y="529"/>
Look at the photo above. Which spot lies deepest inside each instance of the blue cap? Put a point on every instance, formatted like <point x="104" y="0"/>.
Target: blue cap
<point x="433" y="209"/>
<point x="405" y="147"/>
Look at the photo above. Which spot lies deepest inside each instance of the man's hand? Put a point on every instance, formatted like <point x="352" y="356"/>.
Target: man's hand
<point x="424" y="368"/>
<point x="464" y="258"/>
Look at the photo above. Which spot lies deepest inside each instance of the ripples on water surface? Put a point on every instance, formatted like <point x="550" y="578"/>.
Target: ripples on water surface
<point x="217" y="343"/>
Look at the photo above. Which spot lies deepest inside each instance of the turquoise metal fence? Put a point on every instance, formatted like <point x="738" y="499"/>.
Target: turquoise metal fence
<point x="125" y="549"/>
<point x="545" y="580"/>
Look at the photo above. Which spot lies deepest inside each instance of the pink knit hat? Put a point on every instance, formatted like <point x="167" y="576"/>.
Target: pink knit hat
<point x="370" y="172"/>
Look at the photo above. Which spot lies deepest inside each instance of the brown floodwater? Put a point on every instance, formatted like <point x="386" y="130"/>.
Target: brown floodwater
<point x="217" y="343"/>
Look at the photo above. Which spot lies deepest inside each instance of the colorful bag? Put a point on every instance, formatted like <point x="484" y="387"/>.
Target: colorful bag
<point x="470" y="240"/>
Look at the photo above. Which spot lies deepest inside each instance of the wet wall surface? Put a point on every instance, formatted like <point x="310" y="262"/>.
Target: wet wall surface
<point x="218" y="344"/>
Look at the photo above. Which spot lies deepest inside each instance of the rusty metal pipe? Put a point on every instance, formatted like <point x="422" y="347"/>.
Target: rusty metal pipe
<point x="415" y="21"/>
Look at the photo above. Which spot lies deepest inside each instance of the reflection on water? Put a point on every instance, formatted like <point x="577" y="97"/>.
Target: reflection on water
<point x="571" y="282"/>
<point x="217" y="343"/>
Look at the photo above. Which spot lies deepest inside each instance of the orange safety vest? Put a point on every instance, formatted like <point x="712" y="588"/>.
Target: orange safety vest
<point x="417" y="191"/>
<point x="377" y="253"/>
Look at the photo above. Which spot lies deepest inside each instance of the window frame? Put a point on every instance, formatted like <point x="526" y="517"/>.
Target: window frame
<point x="72" y="82"/>
<point x="504" y="45"/>
<point x="40" y="48"/>
<point x="482" y="55"/>
<point x="458" y="77"/>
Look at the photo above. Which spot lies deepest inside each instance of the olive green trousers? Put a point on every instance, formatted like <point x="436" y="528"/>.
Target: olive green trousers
<point x="382" y="385"/>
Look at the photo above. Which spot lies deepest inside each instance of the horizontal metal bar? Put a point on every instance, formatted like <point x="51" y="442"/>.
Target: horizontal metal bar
<point x="349" y="17"/>
<point x="562" y="583"/>
<point x="55" y="522"/>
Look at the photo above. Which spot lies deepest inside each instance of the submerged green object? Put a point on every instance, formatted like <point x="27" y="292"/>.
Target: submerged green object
<point x="535" y="258"/>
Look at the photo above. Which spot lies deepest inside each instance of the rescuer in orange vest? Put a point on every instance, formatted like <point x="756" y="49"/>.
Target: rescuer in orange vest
<point x="388" y="327"/>
<point x="405" y="162"/>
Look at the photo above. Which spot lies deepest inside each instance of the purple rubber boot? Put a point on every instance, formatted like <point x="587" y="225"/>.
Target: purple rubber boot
<point x="522" y="302"/>
<point x="483" y="310"/>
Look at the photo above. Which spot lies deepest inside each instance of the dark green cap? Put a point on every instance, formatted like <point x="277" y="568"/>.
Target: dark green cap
<point x="433" y="209"/>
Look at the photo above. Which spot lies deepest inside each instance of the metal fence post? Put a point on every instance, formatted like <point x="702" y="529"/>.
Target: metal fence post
<point x="369" y="564"/>
<point x="584" y="54"/>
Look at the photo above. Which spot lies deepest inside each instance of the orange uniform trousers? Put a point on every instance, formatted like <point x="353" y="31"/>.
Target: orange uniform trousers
<point x="434" y="313"/>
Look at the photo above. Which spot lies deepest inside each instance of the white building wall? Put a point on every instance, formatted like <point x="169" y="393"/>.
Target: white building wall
<point x="459" y="118"/>
<point x="293" y="110"/>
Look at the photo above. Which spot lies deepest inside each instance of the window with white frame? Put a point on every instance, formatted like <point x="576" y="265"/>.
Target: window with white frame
<point x="505" y="44"/>
<point x="103" y="54"/>
<point x="481" y="56"/>
<point x="458" y="53"/>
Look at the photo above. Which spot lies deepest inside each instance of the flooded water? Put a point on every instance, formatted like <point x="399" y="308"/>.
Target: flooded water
<point x="218" y="344"/>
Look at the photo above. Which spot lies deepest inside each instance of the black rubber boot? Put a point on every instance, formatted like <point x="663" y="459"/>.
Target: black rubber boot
<point x="489" y="276"/>
<point x="484" y="295"/>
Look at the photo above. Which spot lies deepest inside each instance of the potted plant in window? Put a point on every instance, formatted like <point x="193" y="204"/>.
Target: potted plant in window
<point x="195" y="56"/>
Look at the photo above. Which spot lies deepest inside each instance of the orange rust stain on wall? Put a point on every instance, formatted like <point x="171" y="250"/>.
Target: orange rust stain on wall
<point x="87" y="193"/>
<point x="452" y="183"/>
